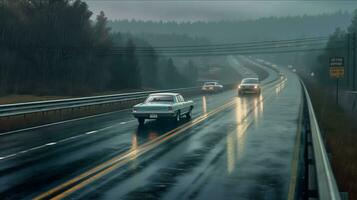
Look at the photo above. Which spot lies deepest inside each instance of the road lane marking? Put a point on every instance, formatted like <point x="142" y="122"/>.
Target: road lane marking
<point x="91" y="132"/>
<point x="62" y="122"/>
<point x="76" y="183"/>
<point x="295" y="161"/>
<point x="120" y="160"/>
<point x="60" y="141"/>
<point x="122" y="123"/>
<point x="8" y="156"/>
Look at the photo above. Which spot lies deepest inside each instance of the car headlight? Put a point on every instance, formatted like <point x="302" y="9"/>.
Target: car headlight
<point x="255" y="87"/>
<point x="239" y="86"/>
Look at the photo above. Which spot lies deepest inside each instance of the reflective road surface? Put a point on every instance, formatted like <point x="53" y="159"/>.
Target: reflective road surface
<point x="232" y="148"/>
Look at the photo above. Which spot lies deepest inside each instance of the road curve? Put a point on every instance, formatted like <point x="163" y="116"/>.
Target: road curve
<point x="233" y="146"/>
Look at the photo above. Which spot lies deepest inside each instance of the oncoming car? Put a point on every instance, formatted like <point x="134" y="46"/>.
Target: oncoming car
<point x="249" y="85"/>
<point x="212" y="87"/>
<point x="163" y="105"/>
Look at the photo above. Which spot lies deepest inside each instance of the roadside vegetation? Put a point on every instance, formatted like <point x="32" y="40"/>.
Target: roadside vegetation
<point x="339" y="128"/>
<point x="338" y="122"/>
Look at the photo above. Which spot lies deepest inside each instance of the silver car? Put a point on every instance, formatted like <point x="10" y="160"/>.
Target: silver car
<point x="249" y="85"/>
<point x="163" y="105"/>
<point x="212" y="87"/>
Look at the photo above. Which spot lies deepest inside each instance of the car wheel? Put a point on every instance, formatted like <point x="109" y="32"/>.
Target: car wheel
<point x="178" y="117"/>
<point x="188" y="115"/>
<point x="141" y="121"/>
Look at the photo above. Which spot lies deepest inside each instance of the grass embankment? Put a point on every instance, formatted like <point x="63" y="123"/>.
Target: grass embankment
<point x="339" y="128"/>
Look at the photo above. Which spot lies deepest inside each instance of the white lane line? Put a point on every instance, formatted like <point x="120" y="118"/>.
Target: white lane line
<point x="62" y="122"/>
<point x="61" y="141"/>
<point x="8" y="156"/>
<point x="90" y="132"/>
<point x="36" y="148"/>
<point x="122" y="123"/>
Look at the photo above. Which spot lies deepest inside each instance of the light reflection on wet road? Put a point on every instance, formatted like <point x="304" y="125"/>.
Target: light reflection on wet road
<point x="241" y="151"/>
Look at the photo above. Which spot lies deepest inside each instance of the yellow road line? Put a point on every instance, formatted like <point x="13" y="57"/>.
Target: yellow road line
<point x="122" y="159"/>
<point x="295" y="160"/>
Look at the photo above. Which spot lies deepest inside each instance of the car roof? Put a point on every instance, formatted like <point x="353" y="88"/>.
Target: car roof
<point x="250" y="79"/>
<point x="210" y="82"/>
<point x="164" y="93"/>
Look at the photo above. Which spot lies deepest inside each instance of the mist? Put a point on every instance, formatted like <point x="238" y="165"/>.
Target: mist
<point x="213" y="10"/>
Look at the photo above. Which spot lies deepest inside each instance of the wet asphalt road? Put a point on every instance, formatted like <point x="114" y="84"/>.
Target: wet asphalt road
<point x="232" y="148"/>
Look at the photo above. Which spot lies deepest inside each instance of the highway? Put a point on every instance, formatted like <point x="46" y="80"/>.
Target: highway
<point x="232" y="147"/>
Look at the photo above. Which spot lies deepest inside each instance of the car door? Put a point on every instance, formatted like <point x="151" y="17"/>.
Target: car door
<point x="185" y="107"/>
<point x="178" y="103"/>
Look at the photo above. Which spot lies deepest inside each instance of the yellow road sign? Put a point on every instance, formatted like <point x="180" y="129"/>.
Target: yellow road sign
<point x="337" y="72"/>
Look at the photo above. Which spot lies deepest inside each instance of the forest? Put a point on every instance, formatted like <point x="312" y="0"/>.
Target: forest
<point x="54" y="47"/>
<point x="57" y="47"/>
<point x="240" y="31"/>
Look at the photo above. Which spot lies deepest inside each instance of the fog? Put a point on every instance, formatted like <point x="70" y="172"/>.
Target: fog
<point x="188" y="10"/>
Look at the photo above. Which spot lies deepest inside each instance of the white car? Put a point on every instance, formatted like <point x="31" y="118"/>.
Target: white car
<point x="212" y="87"/>
<point x="249" y="85"/>
<point x="163" y="105"/>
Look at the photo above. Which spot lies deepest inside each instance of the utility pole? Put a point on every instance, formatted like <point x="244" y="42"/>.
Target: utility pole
<point x="348" y="60"/>
<point x="354" y="62"/>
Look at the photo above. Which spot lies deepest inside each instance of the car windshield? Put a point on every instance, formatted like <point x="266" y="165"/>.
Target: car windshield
<point x="250" y="81"/>
<point x="161" y="98"/>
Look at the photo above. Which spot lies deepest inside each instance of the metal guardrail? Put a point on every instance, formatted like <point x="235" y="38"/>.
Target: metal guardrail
<point x="9" y="110"/>
<point x="351" y="92"/>
<point x="43" y="106"/>
<point x="326" y="183"/>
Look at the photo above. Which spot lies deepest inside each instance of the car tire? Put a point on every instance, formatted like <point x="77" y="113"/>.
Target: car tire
<point x="141" y="121"/>
<point x="188" y="115"/>
<point x="178" y="117"/>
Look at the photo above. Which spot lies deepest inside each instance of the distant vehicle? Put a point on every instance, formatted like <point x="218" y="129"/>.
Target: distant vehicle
<point x="163" y="105"/>
<point x="212" y="87"/>
<point x="294" y="70"/>
<point x="249" y="85"/>
<point x="290" y="66"/>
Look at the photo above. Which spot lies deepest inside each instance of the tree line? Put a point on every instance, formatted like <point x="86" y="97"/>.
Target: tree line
<point x="240" y="30"/>
<point x="52" y="47"/>
<point x="346" y="41"/>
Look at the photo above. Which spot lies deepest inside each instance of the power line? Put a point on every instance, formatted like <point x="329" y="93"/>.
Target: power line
<point x="233" y="44"/>
<point x="218" y="53"/>
<point x="252" y="47"/>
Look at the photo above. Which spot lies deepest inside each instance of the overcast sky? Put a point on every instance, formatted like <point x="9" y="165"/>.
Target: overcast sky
<point x="193" y="10"/>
